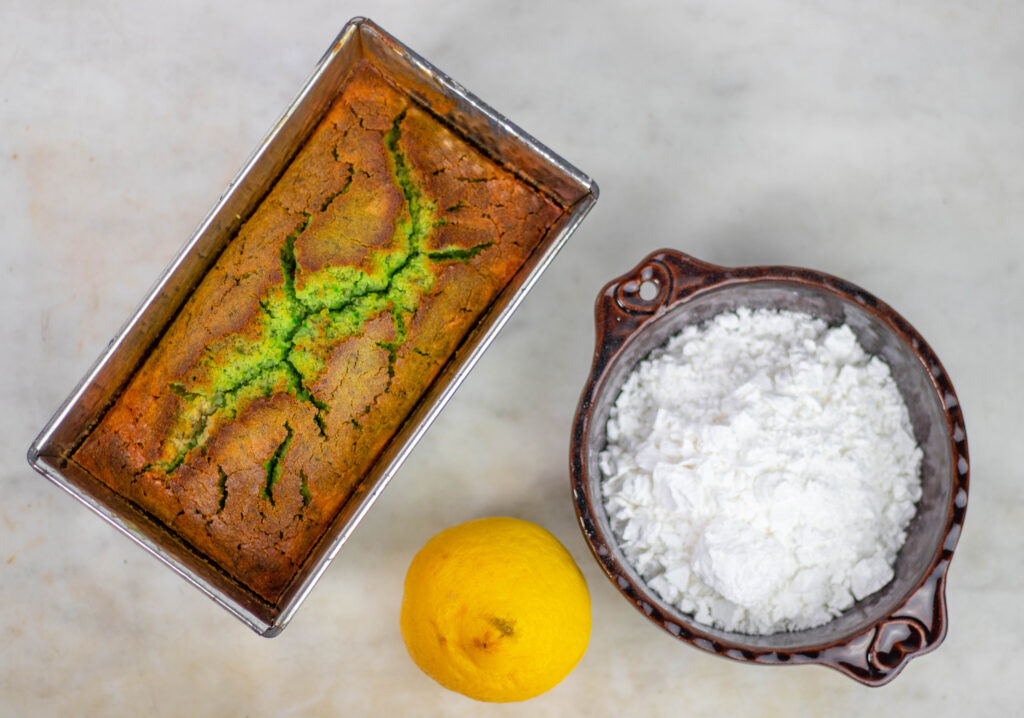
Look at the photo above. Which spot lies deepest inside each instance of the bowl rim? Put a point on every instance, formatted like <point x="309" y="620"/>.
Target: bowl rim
<point x="873" y="655"/>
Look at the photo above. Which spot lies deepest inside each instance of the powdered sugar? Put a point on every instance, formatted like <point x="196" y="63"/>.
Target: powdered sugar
<point x="761" y="471"/>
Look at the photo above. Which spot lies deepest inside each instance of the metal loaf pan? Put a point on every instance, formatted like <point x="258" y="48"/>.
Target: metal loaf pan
<point x="503" y="141"/>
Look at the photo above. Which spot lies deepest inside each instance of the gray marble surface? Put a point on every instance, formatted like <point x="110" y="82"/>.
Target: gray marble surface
<point x="878" y="141"/>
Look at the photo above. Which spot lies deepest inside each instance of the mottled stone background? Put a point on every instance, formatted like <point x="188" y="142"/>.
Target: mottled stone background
<point x="878" y="141"/>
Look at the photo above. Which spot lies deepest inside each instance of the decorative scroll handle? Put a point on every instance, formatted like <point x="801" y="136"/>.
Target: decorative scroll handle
<point x="895" y="643"/>
<point x="917" y="627"/>
<point x="661" y="279"/>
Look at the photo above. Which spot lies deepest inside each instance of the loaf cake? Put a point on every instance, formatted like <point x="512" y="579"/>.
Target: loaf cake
<point x="302" y="351"/>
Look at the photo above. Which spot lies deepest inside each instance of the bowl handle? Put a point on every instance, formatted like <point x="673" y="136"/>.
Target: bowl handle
<point x="917" y="627"/>
<point x="630" y="301"/>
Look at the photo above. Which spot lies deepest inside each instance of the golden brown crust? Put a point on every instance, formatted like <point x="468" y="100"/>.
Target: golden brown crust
<point x="302" y="351"/>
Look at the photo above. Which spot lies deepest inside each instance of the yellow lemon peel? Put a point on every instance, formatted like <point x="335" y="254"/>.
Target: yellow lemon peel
<point x="495" y="609"/>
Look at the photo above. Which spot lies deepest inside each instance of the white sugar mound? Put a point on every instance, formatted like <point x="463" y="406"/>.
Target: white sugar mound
<point x="761" y="471"/>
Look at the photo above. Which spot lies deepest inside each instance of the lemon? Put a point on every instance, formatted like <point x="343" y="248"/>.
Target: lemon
<point x="495" y="609"/>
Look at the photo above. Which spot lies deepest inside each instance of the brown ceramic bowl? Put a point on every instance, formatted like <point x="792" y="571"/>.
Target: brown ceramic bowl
<point x="873" y="640"/>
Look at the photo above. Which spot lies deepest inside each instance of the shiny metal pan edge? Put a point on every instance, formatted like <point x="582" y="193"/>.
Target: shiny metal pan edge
<point x="498" y="137"/>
